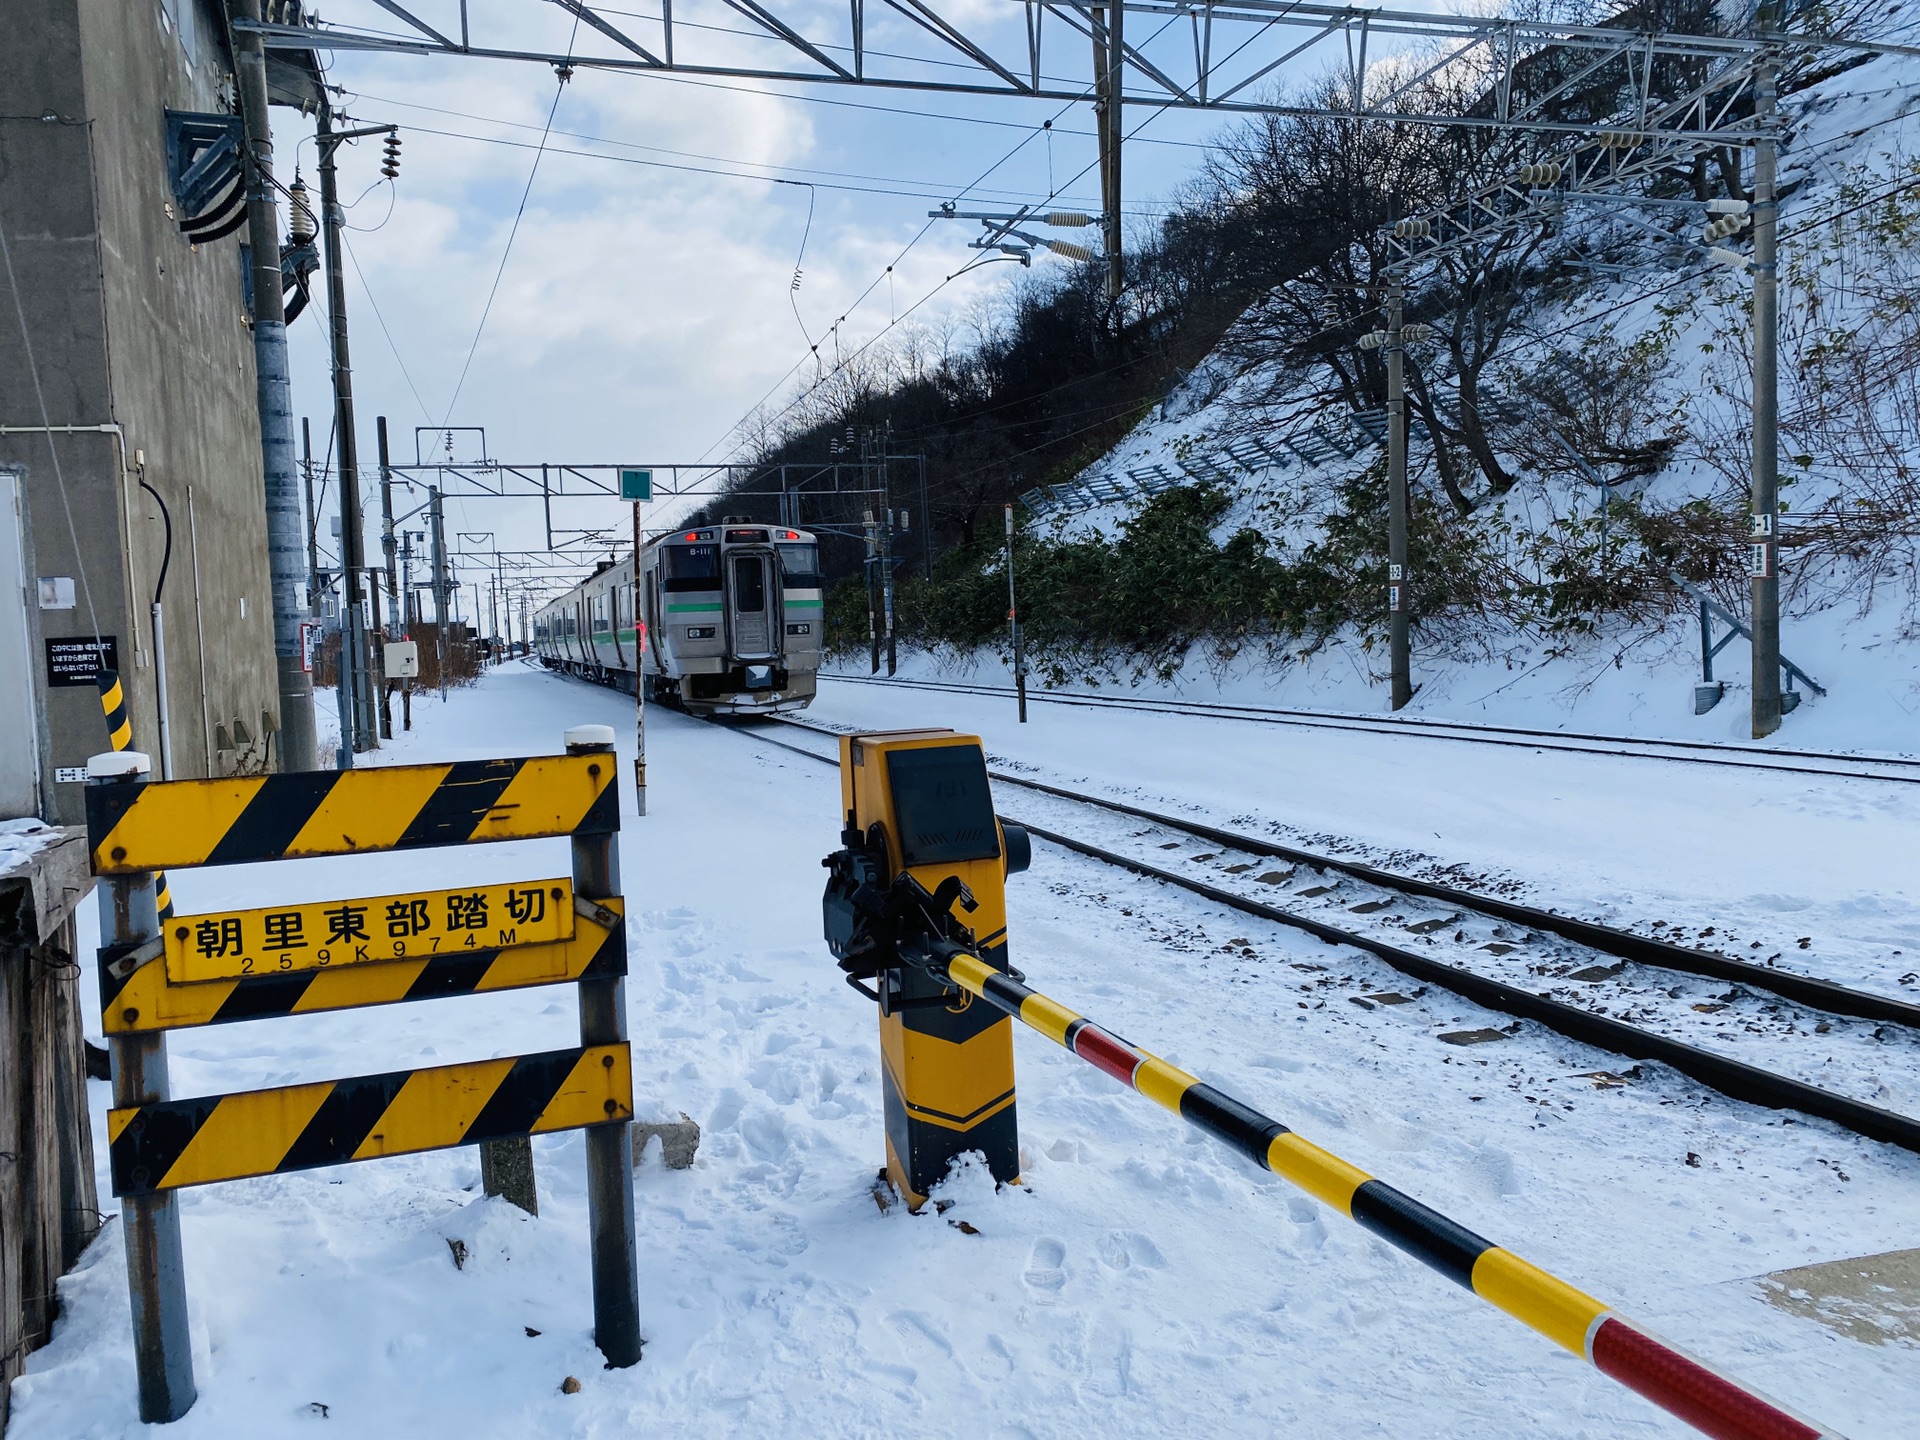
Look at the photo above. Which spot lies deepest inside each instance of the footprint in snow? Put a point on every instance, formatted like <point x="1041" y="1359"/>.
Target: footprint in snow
<point x="1124" y="1249"/>
<point x="1043" y="1274"/>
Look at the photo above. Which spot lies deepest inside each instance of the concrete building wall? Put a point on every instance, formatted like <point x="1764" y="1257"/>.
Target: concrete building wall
<point x="142" y="339"/>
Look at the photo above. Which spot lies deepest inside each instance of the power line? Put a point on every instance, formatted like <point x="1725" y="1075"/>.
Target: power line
<point x="559" y="89"/>
<point x="882" y="185"/>
<point x="53" y="450"/>
<point x="809" y="98"/>
<point x="367" y="290"/>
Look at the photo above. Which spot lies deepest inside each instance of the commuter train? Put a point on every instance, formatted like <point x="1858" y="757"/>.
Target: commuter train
<point x="731" y="621"/>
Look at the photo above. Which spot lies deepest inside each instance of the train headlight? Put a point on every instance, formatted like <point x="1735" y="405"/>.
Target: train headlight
<point x="805" y="627"/>
<point x="700" y="632"/>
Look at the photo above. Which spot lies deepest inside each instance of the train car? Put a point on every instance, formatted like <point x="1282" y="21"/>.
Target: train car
<point x="730" y="621"/>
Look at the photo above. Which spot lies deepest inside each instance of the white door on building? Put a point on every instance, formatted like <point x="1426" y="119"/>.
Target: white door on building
<point x="19" y="734"/>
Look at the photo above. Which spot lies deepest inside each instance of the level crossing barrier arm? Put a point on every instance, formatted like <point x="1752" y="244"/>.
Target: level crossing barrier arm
<point x="1677" y="1382"/>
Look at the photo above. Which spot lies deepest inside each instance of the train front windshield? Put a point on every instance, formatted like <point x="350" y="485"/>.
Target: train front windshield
<point x="802" y="564"/>
<point x="691" y="567"/>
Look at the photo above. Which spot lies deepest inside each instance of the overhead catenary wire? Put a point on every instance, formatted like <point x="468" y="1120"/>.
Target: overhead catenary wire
<point x="562" y="74"/>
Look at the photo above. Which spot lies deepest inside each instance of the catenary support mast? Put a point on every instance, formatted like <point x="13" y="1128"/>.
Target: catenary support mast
<point x="299" y="744"/>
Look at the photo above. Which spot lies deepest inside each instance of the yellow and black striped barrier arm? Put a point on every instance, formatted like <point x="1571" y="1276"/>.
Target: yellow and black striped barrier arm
<point x="172" y="1143"/>
<point x="113" y="703"/>
<point x="1677" y="1382"/>
<point x="343" y="812"/>
<point x="142" y="998"/>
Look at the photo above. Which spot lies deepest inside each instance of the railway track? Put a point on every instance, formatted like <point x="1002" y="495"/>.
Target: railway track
<point x="1771" y="1008"/>
<point x="1896" y="769"/>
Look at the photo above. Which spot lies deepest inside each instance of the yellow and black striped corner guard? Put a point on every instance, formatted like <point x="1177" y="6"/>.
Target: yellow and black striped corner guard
<point x="113" y="704"/>
<point x="134" y="827"/>
<point x="135" y="995"/>
<point x="173" y="1143"/>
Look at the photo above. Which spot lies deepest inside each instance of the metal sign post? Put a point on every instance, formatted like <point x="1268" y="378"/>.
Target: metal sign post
<point x="1013" y="625"/>
<point x="156" y="1275"/>
<point x="603" y="1022"/>
<point x="637" y="486"/>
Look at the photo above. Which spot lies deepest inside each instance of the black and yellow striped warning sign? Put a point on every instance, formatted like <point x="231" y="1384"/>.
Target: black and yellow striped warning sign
<point x="113" y="705"/>
<point x="373" y="930"/>
<point x="341" y="812"/>
<point x="145" y="1000"/>
<point x="266" y="1132"/>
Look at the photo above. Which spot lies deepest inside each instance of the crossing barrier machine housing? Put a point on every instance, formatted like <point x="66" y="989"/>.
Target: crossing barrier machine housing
<point x="921" y="834"/>
<point x="915" y="914"/>
<point x="272" y="961"/>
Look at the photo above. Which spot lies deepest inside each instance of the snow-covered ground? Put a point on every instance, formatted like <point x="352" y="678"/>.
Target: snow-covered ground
<point x="1142" y="1281"/>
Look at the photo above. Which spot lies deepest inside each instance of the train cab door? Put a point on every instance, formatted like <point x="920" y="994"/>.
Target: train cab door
<point x="753" y="592"/>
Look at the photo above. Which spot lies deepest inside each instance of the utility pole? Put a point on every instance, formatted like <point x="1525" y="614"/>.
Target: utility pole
<point x="299" y="743"/>
<point x="1109" y="72"/>
<point x="639" y="665"/>
<point x="1764" y="571"/>
<point x="352" y="524"/>
<point x="1399" y="580"/>
<point x="873" y="621"/>
<point x="1013" y="624"/>
<point x="886" y="557"/>
<point x="313" y="519"/>
<point x="396" y="620"/>
<point x="396" y="613"/>
<point x="437" y="514"/>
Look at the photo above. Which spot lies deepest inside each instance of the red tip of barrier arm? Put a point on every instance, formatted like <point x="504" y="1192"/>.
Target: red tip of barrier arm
<point x="1683" y="1387"/>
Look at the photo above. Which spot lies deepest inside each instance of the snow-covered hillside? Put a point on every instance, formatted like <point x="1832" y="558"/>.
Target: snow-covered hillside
<point x="1679" y="328"/>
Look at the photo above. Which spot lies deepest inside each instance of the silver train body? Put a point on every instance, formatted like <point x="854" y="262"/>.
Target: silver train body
<point x="730" y="621"/>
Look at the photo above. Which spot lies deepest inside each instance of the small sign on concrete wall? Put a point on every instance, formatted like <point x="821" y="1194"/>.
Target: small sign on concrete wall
<point x="76" y="659"/>
<point x="56" y="592"/>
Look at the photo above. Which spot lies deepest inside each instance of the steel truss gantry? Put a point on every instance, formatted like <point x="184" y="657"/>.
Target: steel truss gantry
<point x="1194" y="56"/>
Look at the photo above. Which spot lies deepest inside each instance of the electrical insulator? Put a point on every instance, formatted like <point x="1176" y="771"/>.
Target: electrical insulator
<point x="1413" y="229"/>
<point x="1374" y="339"/>
<point x="300" y="225"/>
<point x="1546" y="172"/>
<point x="1723" y="227"/>
<point x="1067" y="250"/>
<point x="1727" y="207"/>
<point x="1413" y="334"/>
<point x="1620" y="139"/>
<point x="390" y="163"/>
<point x="906" y="523"/>
<point x="1068" y="219"/>
<point x="1732" y="259"/>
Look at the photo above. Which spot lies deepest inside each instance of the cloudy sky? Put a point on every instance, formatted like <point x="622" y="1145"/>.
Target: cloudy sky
<point x="646" y="304"/>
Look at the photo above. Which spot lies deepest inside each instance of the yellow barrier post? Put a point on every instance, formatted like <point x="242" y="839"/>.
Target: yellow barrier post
<point x="917" y="804"/>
